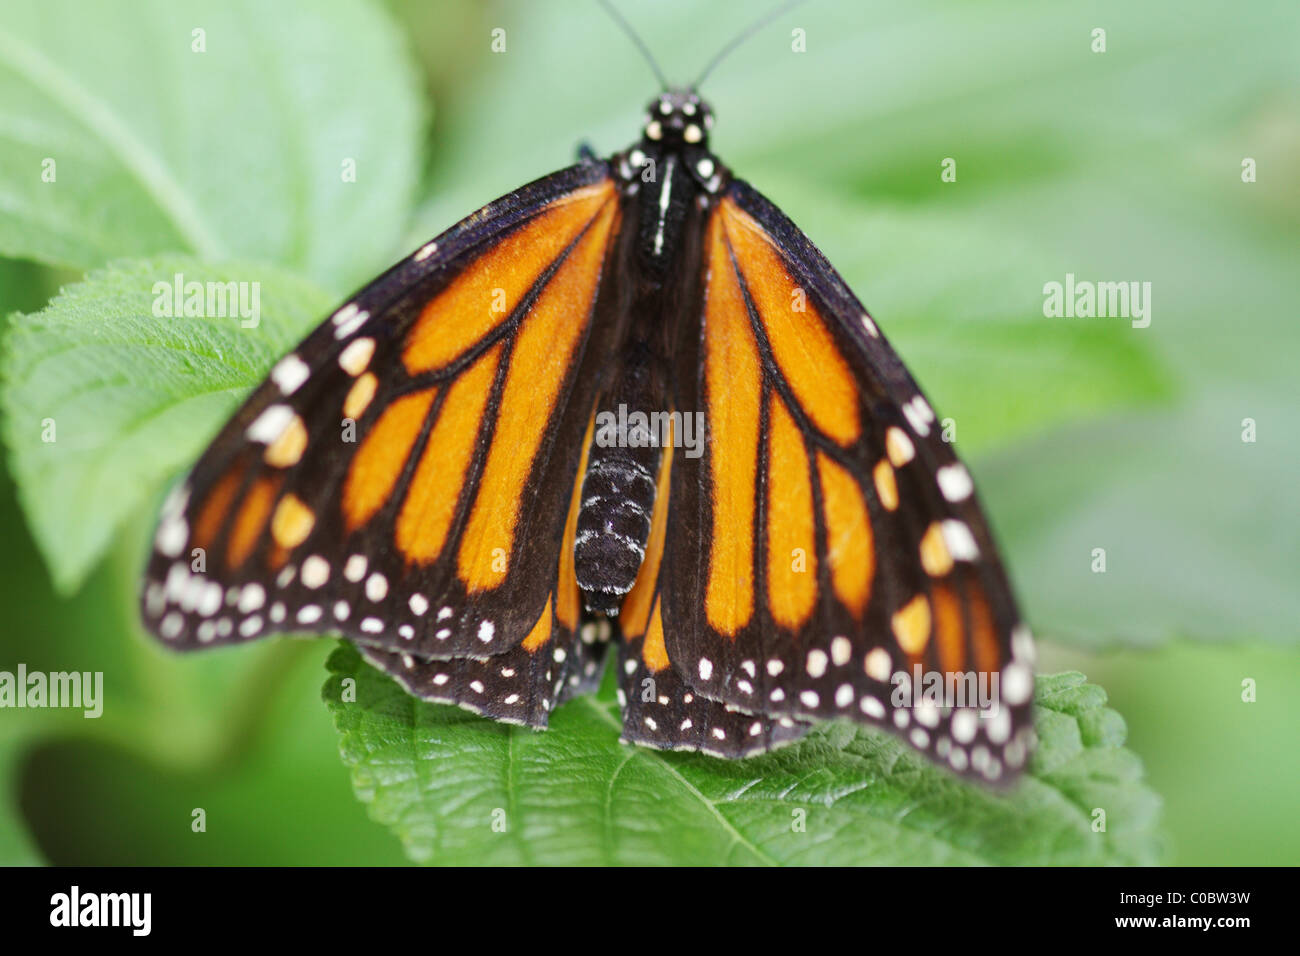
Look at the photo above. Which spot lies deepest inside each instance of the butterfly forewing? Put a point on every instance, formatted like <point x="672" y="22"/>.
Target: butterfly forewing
<point x="403" y="477"/>
<point x="835" y="554"/>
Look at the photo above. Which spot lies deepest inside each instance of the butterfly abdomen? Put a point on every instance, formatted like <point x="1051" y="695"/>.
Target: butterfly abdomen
<point x="618" y="490"/>
<point x="618" y="496"/>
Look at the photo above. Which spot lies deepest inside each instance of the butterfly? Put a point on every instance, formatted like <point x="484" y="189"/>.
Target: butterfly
<point x="628" y="404"/>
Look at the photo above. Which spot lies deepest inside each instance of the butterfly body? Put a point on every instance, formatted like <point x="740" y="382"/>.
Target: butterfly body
<point x="652" y="298"/>
<point x="628" y="403"/>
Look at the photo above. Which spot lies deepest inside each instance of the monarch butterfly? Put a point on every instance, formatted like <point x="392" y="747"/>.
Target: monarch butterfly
<point x="441" y="473"/>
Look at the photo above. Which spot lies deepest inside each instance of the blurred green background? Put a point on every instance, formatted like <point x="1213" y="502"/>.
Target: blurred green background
<point x="1082" y="433"/>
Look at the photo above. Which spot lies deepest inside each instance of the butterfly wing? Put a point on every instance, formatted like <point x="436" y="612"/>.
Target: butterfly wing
<point x="660" y="709"/>
<point x="523" y="683"/>
<point x="828" y="542"/>
<point x="397" y="478"/>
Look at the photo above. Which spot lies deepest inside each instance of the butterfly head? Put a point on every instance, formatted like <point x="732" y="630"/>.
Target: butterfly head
<point x="677" y="117"/>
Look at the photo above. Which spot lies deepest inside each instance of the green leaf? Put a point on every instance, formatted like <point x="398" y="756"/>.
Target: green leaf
<point x="241" y="735"/>
<point x="127" y="396"/>
<point x="438" y="777"/>
<point x="1216" y="727"/>
<point x="16" y="846"/>
<point x="26" y="286"/>
<point x="234" y="152"/>
<point x="274" y="745"/>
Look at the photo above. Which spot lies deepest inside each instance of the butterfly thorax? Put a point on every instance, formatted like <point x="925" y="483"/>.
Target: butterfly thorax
<point x="667" y="172"/>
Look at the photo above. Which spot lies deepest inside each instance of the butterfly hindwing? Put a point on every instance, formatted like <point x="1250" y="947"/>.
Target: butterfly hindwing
<point x="521" y="685"/>
<point x="397" y="478"/>
<point x="829" y="539"/>
<point x="660" y="709"/>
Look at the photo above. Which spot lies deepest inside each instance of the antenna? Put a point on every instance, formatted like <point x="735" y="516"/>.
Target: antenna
<point x="640" y="44"/>
<point x="743" y="36"/>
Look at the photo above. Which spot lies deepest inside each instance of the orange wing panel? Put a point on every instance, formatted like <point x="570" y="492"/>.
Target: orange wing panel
<point x="430" y="506"/>
<point x="801" y="343"/>
<point x="849" y="546"/>
<point x="539" y="363"/>
<point x="251" y="520"/>
<point x="541" y="632"/>
<point x="378" y="463"/>
<point x="568" y="596"/>
<point x="482" y="296"/>
<point x="733" y="382"/>
<point x="948" y="635"/>
<point x="791" y="525"/>
<point x="213" y="511"/>
<point x="654" y="652"/>
<point x="984" y="639"/>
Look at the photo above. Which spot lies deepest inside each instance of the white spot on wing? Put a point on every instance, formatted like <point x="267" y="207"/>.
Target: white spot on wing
<point x="841" y="650"/>
<point x="1017" y="684"/>
<point x="955" y="482"/>
<point x="270" y="425"/>
<point x="315" y="571"/>
<point x="356" y="357"/>
<point x="171" y="537"/>
<point x="289" y="373"/>
<point x="898" y="446"/>
<point x="816" y="663"/>
<point x="960" y="542"/>
<point x="348" y="319"/>
<point x="251" y="598"/>
<point x="878" y="665"/>
<point x="355" y="569"/>
<point x="918" y="415"/>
